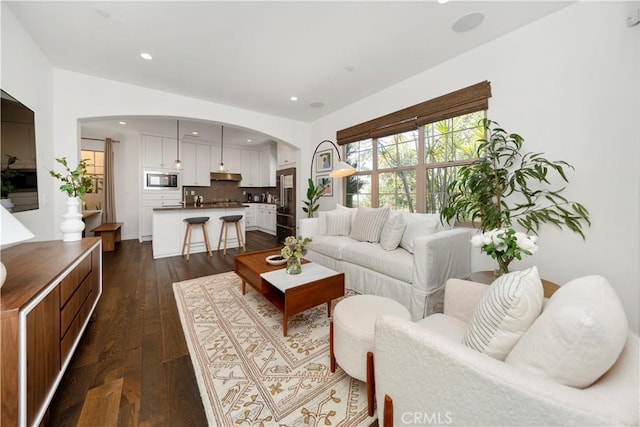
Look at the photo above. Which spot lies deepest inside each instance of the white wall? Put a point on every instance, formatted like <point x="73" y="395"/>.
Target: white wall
<point x="28" y="77"/>
<point x="569" y="85"/>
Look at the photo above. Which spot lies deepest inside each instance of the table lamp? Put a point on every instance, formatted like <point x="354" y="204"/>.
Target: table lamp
<point x="11" y="231"/>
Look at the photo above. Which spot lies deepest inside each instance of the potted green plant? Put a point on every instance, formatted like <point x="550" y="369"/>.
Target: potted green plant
<point x="75" y="184"/>
<point x="504" y="185"/>
<point x="314" y="192"/>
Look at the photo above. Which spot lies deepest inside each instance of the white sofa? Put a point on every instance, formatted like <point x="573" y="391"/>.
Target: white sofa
<point x="416" y="280"/>
<point x="431" y="377"/>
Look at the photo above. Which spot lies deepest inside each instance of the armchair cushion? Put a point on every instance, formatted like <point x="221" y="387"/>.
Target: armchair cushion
<point x="578" y="336"/>
<point x="505" y="312"/>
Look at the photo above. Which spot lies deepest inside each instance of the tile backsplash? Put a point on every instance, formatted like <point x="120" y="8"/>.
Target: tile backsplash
<point x="221" y="191"/>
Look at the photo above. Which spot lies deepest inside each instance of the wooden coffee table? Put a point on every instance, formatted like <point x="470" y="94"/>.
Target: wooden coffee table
<point x="290" y="294"/>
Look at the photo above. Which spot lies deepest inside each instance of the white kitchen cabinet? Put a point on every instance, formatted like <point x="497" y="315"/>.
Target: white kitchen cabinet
<point x="232" y="157"/>
<point x="158" y="152"/>
<point x="268" y="167"/>
<point x="150" y="200"/>
<point x="196" y="164"/>
<point x="250" y="169"/>
<point x="266" y="218"/>
<point x="286" y="156"/>
<point x="250" y="217"/>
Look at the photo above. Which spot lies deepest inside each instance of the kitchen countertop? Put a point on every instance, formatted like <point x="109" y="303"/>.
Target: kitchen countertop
<point x="204" y="206"/>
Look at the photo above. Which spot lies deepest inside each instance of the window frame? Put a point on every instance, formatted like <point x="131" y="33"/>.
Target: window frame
<point x="464" y="101"/>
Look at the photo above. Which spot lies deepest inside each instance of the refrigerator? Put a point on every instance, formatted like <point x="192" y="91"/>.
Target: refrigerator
<point x="286" y="191"/>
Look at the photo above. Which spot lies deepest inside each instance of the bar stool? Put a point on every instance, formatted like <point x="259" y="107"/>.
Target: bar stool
<point x="226" y="221"/>
<point x="201" y="220"/>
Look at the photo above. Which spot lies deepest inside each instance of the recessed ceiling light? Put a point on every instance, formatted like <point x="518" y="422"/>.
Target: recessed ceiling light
<point x="123" y="123"/>
<point x="146" y="56"/>
<point x="443" y="1"/>
<point x="248" y="140"/>
<point x="468" y="22"/>
<point x="350" y="68"/>
<point x="294" y="98"/>
<point x="194" y="133"/>
<point x="317" y="104"/>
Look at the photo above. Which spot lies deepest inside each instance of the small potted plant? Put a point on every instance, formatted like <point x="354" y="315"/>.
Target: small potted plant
<point x="76" y="184"/>
<point x="503" y="185"/>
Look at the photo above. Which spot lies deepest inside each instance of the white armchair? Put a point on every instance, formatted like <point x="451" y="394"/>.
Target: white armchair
<point x="424" y="375"/>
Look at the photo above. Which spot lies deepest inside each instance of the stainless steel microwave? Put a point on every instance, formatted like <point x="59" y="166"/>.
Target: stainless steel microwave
<point x="161" y="180"/>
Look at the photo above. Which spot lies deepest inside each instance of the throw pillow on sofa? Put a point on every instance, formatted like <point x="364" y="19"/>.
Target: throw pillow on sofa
<point x="505" y="312"/>
<point x="578" y="337"/>
<point x="418" y="225"/>
<point x="322" y="218"/>
<point x="338" y="223"/>
<point x="368" y="224"/>
<point x="392" y="232"/>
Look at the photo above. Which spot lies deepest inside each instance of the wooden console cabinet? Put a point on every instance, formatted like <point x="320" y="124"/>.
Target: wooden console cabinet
<point x="50" y="292"/>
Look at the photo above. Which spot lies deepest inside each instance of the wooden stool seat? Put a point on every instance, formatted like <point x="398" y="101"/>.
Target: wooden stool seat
<point x="198" y="220"/>
<point x="224" y="225"/>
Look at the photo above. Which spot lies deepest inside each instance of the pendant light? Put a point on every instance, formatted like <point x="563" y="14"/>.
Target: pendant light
<point x="222" y="149"/>
<point x="178" y="163"/>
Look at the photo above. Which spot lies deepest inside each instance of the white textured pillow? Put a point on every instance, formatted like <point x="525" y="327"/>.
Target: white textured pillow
<point x="417" y="225"/>
<point x="338" y="223"/>
<point x="505" y="312"/>
<point x="368" y="224"/>
<point x="392" y="231"/>
<point x="353" y="211"/>
<point x="578" y="336"/>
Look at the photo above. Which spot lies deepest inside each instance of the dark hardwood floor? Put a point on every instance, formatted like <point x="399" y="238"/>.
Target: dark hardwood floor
<point x="132" y="367"/>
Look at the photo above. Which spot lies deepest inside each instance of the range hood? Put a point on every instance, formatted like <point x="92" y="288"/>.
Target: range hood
<point x="225" y="176"/>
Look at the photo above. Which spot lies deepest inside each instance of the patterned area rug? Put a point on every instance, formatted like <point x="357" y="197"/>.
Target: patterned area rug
<point x="249" y="374"/>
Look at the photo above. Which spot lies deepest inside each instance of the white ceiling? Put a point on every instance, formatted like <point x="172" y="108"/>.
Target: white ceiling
<point x="256" y="55"/>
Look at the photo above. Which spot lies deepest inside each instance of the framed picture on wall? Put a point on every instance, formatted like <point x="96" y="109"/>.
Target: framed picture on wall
<point x="324" y="161"/>
<point x="325" y="180"/>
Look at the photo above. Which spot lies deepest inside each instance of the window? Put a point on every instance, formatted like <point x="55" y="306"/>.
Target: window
<point x="407" y="159"/>
<point x="94" y="199"/>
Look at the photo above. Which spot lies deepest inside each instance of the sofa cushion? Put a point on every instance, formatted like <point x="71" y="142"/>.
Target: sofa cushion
<point x="368" y="224"/>
<point x="338" y="223"/>
<point x="353" y="211"/>
<point x="418" y="225"/>
<point x="505" y="312"/>
<point x="331" y="246"/>
<point x="397" y="263"/>
<point x="392" y="232"/>
<point x="578" y="336"/>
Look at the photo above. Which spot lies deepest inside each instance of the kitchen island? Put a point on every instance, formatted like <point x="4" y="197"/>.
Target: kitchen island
<point x="169" y="227"/>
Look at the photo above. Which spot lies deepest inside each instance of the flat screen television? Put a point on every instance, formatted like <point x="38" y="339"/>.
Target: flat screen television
<point x="19" y="178"/>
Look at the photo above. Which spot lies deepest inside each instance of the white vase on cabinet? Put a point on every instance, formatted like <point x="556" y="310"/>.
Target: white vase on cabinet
<point x="72" y="225"/>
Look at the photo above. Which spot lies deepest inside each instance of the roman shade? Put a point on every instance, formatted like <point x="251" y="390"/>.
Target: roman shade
<point x="463" y="101"/>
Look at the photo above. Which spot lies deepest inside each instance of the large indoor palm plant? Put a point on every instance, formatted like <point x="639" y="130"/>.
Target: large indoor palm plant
<point x="503" y="185"/>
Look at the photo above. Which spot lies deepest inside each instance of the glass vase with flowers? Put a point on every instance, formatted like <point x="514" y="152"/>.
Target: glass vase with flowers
<point x="294" y="248"/>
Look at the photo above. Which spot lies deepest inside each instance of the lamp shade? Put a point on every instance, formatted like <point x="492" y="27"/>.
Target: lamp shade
<point x="12" y="230"/>
<point x="342" y="169"/>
